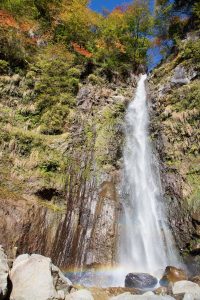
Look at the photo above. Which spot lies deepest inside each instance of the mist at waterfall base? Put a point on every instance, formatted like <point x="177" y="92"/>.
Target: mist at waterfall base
<point x="146" y="244"/>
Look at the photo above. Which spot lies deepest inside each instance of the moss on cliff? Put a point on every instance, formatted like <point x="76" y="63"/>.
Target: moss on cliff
<point x="175" y="89"/>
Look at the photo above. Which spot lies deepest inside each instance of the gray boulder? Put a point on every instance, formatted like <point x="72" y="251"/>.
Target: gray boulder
<point x="4" y="270"/>
<point x="140" y="280"/>
<point x="80" y="295"/>
<point x="146" y="296"/>
<point x="34" y="277"/>
<point x="188" y="297"/>
<point x="182" y="76"/>
<point x="187" y="287"/>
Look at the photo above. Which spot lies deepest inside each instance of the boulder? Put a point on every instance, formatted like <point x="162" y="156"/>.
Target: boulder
<point x="162" y="290"/>
<point x="196" y="216"/>
<point x="180" y="76"/>
<point x="4" y="270"/>
<point x="186" y="287"/>
<point x="35" y="277"/>
<point x="172" y="275"/>
<point x="146" y="296"/>
<point x="124" y="296"/>
<point x="140" y="280"/>
<point x="196" y="279"/>
<point x="80" y="295"/>
<point x="188" y="297"/>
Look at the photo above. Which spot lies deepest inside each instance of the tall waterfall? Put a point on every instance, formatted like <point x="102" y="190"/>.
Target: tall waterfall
<point x="146" y="241"/>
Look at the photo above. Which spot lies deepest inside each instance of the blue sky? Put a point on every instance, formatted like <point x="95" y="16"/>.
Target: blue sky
<point x="99" y="5"/>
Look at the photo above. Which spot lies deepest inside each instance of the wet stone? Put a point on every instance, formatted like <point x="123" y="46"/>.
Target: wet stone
<point x="140" y="280"/>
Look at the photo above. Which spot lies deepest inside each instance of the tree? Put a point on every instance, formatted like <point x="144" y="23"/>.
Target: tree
<point x="77" y="23"/>
<point x="172" y="20"/>
<point x="123" y="36"/>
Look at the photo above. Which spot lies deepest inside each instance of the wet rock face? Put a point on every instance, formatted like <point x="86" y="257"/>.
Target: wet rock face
<point x="70" y="203"/>
<point x="140" y="280"/>
<point x="31" y="228"/>
<point x="90" y="226"/>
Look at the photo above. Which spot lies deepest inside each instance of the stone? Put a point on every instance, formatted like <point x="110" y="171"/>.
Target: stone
<point x="171" y="275"/>
<point x="118" y="98"/>
<point x="124" y="296"/>
<point x="80" y="295"/>
<point x="196" y="216"/>
<point x="35" y="277"/>
<point x="180" y="76"/>
<point x="195" y="247"/>
<point x="140" y="280"/>
<point x="100" y="293"/>
<point x="4" y="270"/>
<point x="146" y="296"/>
<point x="196" y="279"/>
<point x="189" y="287"/>
<point x="162" y="290"/>
<point x="188" y="297"/>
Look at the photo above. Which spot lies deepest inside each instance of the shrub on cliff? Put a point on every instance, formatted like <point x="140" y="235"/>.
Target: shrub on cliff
<point x="3" y="66"/>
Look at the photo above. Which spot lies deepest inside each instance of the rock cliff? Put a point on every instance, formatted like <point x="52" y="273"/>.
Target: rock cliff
<point x="60" y="190"/>
<point x="174" y="89"/>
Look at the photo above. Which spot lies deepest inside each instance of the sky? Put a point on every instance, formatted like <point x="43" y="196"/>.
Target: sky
<point x="99" y="5"/>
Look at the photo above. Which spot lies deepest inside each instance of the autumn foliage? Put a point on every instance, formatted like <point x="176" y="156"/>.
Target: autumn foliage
<point x="81" y="50"/>
<point x="7" y="20"/>
<point x="117" y="39"/>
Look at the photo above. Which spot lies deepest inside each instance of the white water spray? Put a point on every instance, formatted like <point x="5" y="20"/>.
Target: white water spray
<point x="146" y="242"/>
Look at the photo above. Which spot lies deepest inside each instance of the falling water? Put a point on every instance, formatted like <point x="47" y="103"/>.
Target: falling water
<point x="146" y="241"/>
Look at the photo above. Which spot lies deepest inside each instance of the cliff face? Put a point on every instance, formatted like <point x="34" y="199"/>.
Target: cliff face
<point x="61" y="156"/>
<point x="174" y="89"/>
<point x="60" y="192"/>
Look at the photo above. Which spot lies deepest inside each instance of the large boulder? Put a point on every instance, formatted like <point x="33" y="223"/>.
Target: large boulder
<point x="80" y="295"/>
<point x="146" y="296"/>
<point x="172" y="275"/>
<point x="35" y="277"/>
<point x="188" y="297"/>
<point x="4" y="270"/>
<point x="140" y="280"/>
<point x="187" y="287"/>
<point x="181" y="76"/>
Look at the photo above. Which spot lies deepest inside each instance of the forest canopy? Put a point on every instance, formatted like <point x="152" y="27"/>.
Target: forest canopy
<point x="116" y="40"/>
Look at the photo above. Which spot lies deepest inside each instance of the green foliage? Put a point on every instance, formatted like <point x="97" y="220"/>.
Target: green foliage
<point x="3" y="66"/>
<point x="19" y="7"/>
<point x="74" y="72"/>
<point x="191" y="51"/>
<point x="49" y="166"/>
<point x="53" y="120"/>
<point x="187" y="97"/>
<point x="13" y="48"/>
<point x="117" y="41"/>
<point x="193" y="179"/>
<point x="196" y="10"/>
<point x="173" y="20"/>
<point x="94" y="79"/>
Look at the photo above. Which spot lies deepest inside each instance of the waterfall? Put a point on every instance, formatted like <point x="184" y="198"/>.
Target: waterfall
<point x="146" y="244"/>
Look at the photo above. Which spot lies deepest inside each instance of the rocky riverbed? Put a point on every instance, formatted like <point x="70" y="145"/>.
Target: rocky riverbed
<point x="35" y="277"/>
